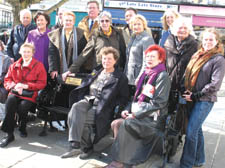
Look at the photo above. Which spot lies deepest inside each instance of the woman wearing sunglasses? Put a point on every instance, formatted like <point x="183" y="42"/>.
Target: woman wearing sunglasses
<point x="106" y="36"/>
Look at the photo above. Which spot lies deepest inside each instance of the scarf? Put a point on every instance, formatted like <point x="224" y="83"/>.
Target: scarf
<point x="196" y="63"/>
<point x="109" y="32"/>
<point x="75" y="52"/>
<point x="151" y="74"/>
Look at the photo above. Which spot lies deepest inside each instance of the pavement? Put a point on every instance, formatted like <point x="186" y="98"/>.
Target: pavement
<point x="41" y="152"/>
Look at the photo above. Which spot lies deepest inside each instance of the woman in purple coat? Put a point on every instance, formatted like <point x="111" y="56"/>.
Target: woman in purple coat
<point x="39" y="37"/>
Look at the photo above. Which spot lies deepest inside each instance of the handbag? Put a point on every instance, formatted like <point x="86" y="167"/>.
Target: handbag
<point x="25" y="93"/>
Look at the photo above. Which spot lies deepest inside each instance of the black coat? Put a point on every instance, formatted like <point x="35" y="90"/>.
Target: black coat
<point x="16" y="39"/>
<point x="115" y="92"/>
<point x="178" y="58"/>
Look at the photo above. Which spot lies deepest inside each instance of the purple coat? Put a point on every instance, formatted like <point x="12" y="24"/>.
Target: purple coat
<point x="41" y="43"/>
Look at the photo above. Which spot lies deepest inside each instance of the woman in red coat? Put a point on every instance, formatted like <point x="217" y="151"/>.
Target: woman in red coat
<point x="24" y="79"/>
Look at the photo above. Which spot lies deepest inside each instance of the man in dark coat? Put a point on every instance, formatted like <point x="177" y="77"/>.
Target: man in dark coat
<point x="19" y="34"/>
<point x="66" y="44"/>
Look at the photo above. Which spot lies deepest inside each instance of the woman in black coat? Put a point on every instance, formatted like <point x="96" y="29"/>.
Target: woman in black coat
<point x="93" y="104"/>
<point x="180" y="46"/>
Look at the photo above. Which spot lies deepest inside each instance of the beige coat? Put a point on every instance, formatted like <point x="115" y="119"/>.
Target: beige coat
<point x="83" y="24"/>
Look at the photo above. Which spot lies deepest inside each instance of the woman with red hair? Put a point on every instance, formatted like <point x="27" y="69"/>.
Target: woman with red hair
<point x="144" y="119"/>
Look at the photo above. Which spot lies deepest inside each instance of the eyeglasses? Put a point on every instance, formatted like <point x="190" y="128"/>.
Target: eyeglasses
<point x="106" y="21"/>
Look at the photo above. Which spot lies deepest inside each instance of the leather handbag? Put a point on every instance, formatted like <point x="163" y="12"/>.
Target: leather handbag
<point x="25" y="93"/>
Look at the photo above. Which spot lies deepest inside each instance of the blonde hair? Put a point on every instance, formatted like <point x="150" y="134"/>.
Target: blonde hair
<point x="28" y="45"/>
<point x="140" y="17"/>
<point x="167" y="13"/>
<point x="69" y="13"/>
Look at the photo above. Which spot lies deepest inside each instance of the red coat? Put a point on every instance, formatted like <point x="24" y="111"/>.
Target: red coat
<point x="36" y="79"/>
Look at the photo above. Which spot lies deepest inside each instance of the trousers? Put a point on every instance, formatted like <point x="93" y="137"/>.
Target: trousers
<point x="81" y="120"/>
<point x="193" y="151"/>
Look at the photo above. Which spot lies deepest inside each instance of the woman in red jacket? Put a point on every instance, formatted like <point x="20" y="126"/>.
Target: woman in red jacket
<point x="24" y="79"/>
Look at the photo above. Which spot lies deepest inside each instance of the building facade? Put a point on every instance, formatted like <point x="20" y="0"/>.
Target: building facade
<point x="6" y="15"/>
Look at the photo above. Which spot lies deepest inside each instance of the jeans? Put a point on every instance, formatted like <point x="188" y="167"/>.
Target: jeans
<point x="193" y="151"/>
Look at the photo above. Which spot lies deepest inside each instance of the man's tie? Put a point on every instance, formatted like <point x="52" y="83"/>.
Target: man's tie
<point x="92" y="22"/>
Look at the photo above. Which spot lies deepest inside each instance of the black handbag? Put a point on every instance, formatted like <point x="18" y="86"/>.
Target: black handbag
<point x="25" y="93"/>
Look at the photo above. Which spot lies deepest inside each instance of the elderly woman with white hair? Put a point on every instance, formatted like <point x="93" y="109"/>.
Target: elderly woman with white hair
<point x="180" y="46"/>
<point x="106" y="36"/>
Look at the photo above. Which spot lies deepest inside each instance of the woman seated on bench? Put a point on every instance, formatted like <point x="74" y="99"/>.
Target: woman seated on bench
<point x="93" y="104"/>
<point x="24" y="79"/>
<point x="144" y="120"/>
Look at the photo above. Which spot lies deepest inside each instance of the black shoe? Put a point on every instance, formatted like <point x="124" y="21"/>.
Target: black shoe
<point x="86" y="155"/>
<point x="73" y="150"/>
<point x="6" y="140"/>
<point x="75" y="145"/>
<point x="23" y="133"/>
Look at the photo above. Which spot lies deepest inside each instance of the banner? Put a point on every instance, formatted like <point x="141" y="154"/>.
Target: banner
<point x="139" y="5"/>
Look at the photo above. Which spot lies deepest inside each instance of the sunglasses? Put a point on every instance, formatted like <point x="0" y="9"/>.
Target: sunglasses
<point x="106" y="21"/>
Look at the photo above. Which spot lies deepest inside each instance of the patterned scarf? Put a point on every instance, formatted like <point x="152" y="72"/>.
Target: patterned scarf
<point x="196" y="63"/>
<point x="151" y="74"/>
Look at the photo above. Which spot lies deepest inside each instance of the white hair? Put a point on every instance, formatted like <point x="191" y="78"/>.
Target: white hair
<point x="107" y="14"/>
<point x="23" y="12"/>
<point x="182" y="21"/>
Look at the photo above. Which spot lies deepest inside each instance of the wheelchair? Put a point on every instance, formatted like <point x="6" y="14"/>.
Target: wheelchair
<point x="53" y="100"/>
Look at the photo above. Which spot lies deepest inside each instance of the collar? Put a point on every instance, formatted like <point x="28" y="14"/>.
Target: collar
<point x="89" y="20"/>
<point x="22" y="26"/>
<point x="19" y="63"/>
<point x="140" y="36"/>
<point x="28" y="63"/>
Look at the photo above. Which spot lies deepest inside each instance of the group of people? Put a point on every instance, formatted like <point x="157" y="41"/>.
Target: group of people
<point x="127" y="71"/>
